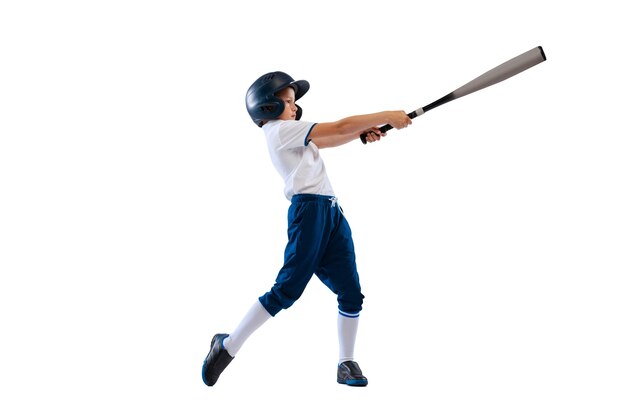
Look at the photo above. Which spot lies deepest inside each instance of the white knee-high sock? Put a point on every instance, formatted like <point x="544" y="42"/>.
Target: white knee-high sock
<point x="256" y="316"/>
<point x="347" y="327"/>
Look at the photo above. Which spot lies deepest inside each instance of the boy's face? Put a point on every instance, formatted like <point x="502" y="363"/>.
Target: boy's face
<point x="288" y="96"/>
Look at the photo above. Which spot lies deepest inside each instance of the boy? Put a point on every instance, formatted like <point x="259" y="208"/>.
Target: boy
<point x="320" y="240"/>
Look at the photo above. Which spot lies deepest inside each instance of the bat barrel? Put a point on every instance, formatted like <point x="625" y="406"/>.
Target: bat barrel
<point x="503" y="71"/>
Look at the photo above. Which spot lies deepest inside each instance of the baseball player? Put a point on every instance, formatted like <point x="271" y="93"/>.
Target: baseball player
<point x="319" y="237"/>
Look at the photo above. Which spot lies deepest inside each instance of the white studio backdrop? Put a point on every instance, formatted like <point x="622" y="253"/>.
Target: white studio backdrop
<point x="140" y="213"/>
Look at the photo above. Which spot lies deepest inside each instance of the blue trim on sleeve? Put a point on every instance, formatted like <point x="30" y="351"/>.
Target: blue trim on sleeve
<point x="307" y="135"/>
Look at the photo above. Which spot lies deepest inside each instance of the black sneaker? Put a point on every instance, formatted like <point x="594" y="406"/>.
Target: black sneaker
<point x="216" y="361"/>
<point x="349" y="373"/>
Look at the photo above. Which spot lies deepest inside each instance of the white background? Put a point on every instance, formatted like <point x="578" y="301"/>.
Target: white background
<point x="140" y="213"/>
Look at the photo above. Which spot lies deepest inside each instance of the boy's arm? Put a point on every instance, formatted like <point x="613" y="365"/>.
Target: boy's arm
<point x="333" y="134"/>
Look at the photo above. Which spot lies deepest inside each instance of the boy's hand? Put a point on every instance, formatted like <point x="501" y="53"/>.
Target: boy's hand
<point x="374" y="134"/>
<point x="394" y="119"/>
<point x="398" y="119"/>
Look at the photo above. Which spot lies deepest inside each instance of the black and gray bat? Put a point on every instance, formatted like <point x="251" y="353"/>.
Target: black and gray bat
<point x="500" y="73"/>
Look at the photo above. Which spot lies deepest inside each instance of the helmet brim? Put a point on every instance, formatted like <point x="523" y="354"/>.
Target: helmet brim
<point x="301" y="87"/>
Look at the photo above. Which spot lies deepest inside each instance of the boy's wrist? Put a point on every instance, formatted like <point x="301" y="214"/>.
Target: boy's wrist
<point x="387" y="117"/>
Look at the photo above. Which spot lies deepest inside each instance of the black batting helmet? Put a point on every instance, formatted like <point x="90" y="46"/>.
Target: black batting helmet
<point x="261" y="100"/>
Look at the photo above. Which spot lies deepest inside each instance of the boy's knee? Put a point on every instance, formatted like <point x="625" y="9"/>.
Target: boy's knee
<point x="351" y="302"/>
<point x="275" y="301"/>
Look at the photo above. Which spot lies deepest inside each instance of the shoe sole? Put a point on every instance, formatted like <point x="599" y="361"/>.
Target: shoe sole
<point x="353" y="382"/>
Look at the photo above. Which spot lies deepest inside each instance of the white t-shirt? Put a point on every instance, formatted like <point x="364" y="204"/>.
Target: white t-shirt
<point x="297" y="160"/>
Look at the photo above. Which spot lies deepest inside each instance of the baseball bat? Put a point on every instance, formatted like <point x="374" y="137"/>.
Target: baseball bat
<point x="500" y="73"/>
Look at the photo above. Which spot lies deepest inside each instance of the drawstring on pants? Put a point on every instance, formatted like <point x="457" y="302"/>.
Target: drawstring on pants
<point x="334" y="201"/>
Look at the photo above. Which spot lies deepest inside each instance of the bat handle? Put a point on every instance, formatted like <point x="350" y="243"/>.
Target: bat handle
<point x="383" y="129"/>
<point x="388" y="127"/>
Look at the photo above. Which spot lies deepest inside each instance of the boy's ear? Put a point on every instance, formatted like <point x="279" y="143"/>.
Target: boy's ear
<point x="298" y="112"/>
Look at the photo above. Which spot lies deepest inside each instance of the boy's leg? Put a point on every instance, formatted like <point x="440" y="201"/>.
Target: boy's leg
<point x="224" y="347"/>
<point x="348" y="370"/>
<point x="347" y="327"/>
<point x="338" y="271"/>
<point x="308" y="232"/>
<point x="256" y="316"/>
